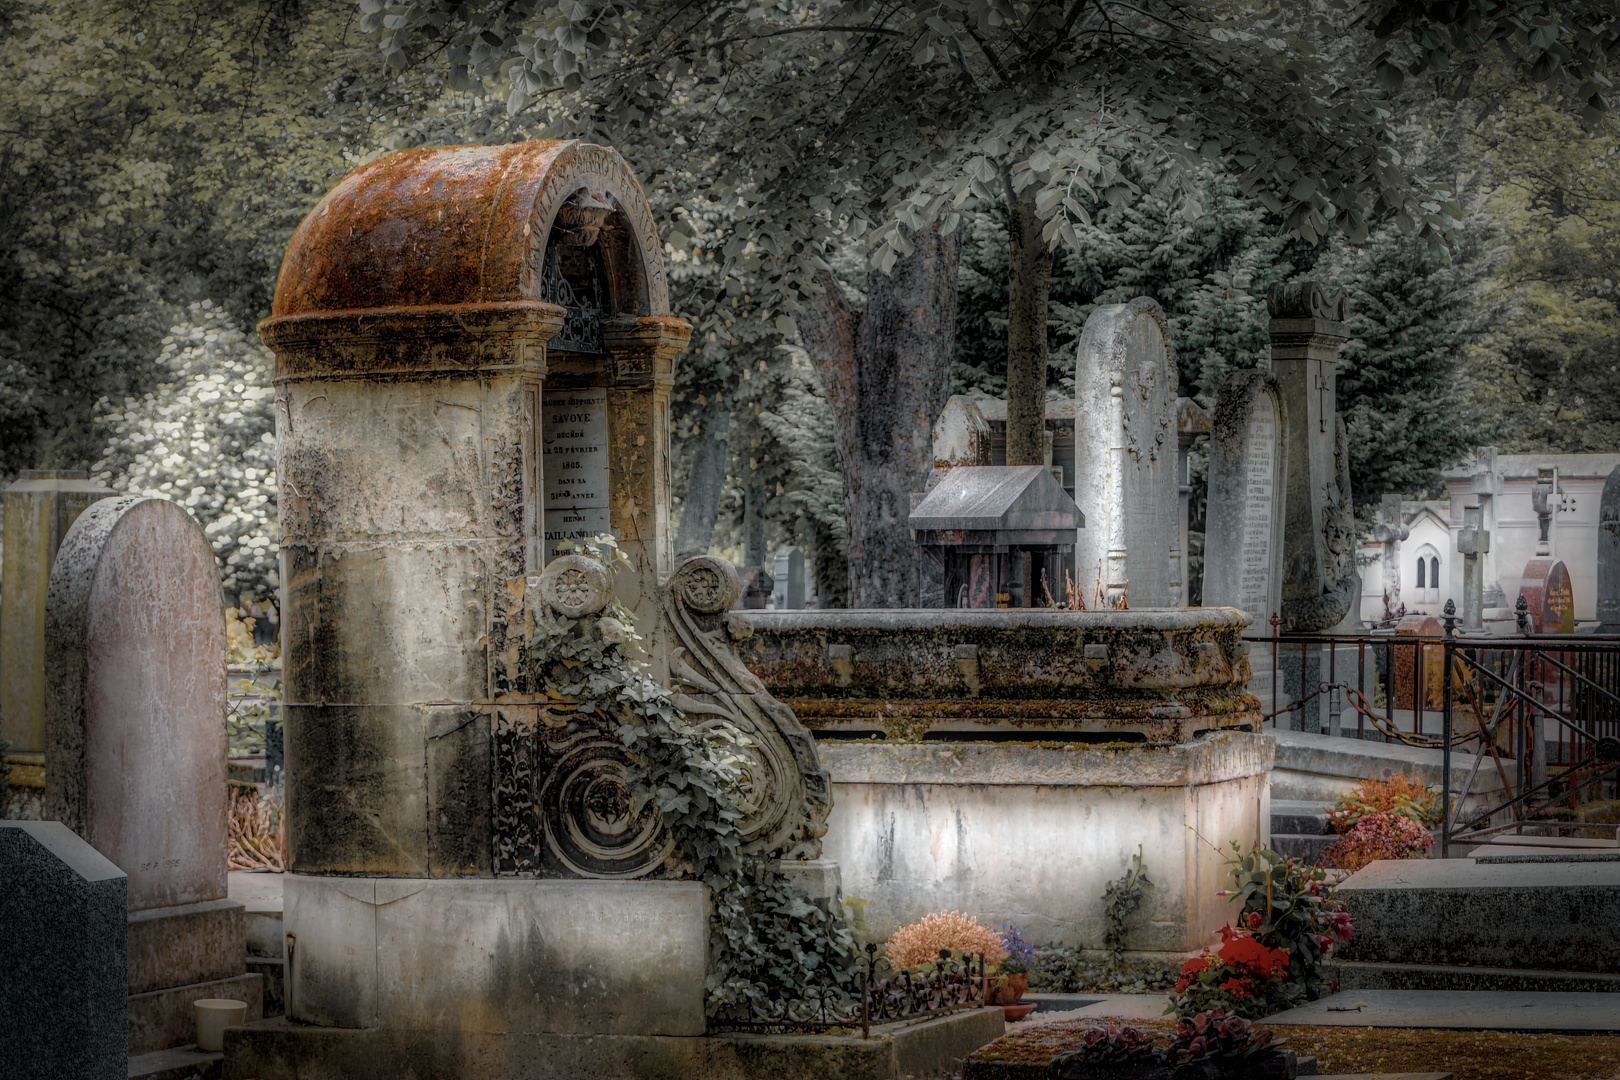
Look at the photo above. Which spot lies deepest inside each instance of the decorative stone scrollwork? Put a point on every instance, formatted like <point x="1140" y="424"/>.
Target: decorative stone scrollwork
<point x="576" y="586"/>
<point x="790" y="791"/>
<point x="588" y="815"/>
<point x="1306" y="300"/>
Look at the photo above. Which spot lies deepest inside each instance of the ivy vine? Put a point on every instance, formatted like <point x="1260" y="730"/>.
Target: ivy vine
<point x="774" y="952"/>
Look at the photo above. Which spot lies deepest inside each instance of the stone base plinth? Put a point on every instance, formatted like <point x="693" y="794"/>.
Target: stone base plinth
<point x="1031" y="833"/>
<point x="192" y="943"/>
<point x="514" y="955"/>
<point x="282" y="1051"/>
<point x="163" y="1019"/>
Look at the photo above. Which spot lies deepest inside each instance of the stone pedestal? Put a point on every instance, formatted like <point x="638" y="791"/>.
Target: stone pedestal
<point x="136" y="749"/>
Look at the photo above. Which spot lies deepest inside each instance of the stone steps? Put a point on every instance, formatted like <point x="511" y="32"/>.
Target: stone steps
<point x="1299" y="827"/>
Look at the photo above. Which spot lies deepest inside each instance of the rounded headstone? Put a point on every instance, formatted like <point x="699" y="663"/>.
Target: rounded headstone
<point x="135" y="701"/>
<point x="1418" y="664"/>
<point x="1547" y="589"/>
<point x="1608" y="556"/>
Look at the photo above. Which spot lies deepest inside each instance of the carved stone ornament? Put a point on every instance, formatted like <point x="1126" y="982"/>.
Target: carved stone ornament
<point x="576" y="586"/>
<point x="1306" y="300"/>
<point x="790" y="792"/>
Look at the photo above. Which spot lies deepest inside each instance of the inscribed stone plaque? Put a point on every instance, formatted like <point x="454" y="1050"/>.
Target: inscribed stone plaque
<point x="1125" y="455"/>
<point x="574" y="433"/>
<point x="135" y="698"/>
<point x="1243" y="543"/>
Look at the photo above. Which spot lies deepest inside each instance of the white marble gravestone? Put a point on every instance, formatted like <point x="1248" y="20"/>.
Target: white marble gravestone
<point x="135" y="749"/>
<point x="1247" y="499"/>
<point x="1125" y="456"/>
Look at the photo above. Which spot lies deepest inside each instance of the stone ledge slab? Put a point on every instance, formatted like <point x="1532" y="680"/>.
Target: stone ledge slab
<point x="920" y="1051"/>
<point x="164" y="1018"/>
<point x="178" y="946"/>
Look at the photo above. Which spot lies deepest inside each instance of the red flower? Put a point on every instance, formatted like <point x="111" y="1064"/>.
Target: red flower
<point x="1239" y="987"/>
<point x="1247" y="952"/>
<point x="1254" y="920"/>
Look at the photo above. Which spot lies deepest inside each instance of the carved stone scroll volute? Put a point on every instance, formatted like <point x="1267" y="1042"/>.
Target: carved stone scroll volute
<point x="790" y="791"/>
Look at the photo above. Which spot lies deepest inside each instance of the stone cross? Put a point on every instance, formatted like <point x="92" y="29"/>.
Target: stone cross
<point x="1473" y="542"/>
<point x="135" y="749"/>
<point x="1125" y="456"/>
<point x="1390" y="531"/>
<point x="1321" y="583"/>
<point x="1486" y="487"/>
<point x="1608" y="556"/>
<point x="1243" y="541"/>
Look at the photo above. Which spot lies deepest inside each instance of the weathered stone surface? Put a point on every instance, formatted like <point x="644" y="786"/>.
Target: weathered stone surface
<point x="1125" y="454"/>
<point x="39" y="509"/>
<point x="161" y="1019"/>
<point x="503" y="955"/>
<point x="1418" y="662"/>
<point x="1320" y="579"/>
<point x="1571" y="1013"/>
<point x="1360" y="975"/>
<point x="1319" y="768"/>
<point x="136" y="751"/>
<point x="63" y="987"/>
<point x="922" y="1051"/>
<point x="1537" y="916"/>
<point x="1247" y="509"/>
<point x="1161" y="674"/>
<point x="1031" y="834"/>
<point x="193" y="943"/>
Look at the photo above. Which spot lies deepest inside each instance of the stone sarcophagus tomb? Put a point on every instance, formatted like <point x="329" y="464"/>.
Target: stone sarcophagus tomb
<point x="474" y="353"/>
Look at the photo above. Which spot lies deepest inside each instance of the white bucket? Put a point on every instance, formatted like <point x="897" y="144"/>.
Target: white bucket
<point x="214" y="1015"/>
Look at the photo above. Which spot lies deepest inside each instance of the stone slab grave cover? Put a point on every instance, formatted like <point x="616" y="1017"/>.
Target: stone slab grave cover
<point x="135" y="748"/>
<point x="476" y="353"/>
<point x="1248" y="464"/>
<point x="1125" y="456"/>
<point x="62" y="965"/>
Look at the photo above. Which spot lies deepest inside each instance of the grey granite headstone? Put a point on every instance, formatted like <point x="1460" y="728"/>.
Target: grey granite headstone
<point x="789" y="580"/>
<point x="1608" y="556"/>
<point x="1125" y="455"/>
<point x="1243" y="542"/>
<point x="62" y="956"/>
<point x="135" y="748"/>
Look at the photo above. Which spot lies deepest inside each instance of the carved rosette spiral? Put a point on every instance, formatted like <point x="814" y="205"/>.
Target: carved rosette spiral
<point x="790" y="792"/>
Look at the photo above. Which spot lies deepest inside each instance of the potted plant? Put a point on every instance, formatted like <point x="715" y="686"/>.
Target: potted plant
<point x="1012" y="975"/>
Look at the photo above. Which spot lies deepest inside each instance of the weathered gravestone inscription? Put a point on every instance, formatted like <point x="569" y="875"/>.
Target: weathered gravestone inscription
<point x="1608" y="582"/>
<point x="1247" y="505"/>
<point x="575" y="435"/>
<point x="1125" y="456"/>
<point x="135" y="749"/>
<point x="62" y="980"/>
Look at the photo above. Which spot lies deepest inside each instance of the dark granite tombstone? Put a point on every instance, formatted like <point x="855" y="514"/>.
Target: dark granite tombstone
<point x="1608" y="556"/>
<point x="63" y="976"/>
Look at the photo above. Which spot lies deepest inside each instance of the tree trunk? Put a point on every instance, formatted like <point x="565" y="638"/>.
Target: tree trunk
<point x="1029" y="270"/>
<point x="887" y="373"/>
<point x="708" y="482"/>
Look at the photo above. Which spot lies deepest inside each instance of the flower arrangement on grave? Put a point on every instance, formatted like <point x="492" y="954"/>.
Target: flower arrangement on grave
<point x="775" y="954"/>
<point x="921" y="942"/>
<point x="1276" y="957"/>
<point x="1212" y="1045"/>
<point x="1011" y="978"/>
<point x="1383" y="819"/>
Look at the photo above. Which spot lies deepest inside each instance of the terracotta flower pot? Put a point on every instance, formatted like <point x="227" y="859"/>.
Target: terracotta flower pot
<point x="1008" y="989"/>
<point x="1011" y="1013"/>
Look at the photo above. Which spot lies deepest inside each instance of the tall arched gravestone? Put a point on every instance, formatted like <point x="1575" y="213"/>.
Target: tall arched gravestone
<point x="1125" y="455"/>
<point x="135" y="748"/>
<point x="1248" y="467"/>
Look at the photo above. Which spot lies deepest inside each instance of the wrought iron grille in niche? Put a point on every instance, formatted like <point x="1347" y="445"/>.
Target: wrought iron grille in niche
<point x="582" y="320"/>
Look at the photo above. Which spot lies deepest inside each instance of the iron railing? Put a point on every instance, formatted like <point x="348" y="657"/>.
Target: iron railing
<point x="1543" y="708"/>
<point x="887" y="995"/>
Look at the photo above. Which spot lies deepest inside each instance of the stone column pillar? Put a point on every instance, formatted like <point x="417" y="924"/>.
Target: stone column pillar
<point x="1486" y="486"/>
<point x="39" y="508"/>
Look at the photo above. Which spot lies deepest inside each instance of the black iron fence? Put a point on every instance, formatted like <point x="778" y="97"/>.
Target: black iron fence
<point x="1541" y="711"/>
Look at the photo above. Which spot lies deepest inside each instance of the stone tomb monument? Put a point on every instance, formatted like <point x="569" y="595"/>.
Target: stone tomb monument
<point x="135" y="749"/>
<point x="62" y="904"/>
<point x="1125" y="457"/>
<point x="474" y="353"/>
<point x="39" y="509"/>
<point x="1608" y="558"/>
<point x="1248" y="462"/>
